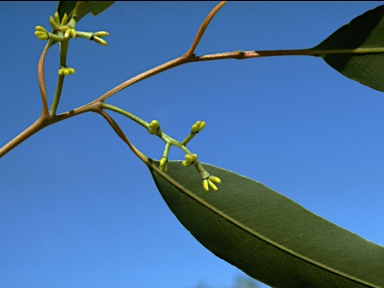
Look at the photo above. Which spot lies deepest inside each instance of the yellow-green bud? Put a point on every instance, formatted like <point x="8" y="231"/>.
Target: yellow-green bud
<point x="57" y="18"/>
<point x="53" y="23"/>
<point x="197" y="127"/>
<point x="100" y="41"/>
<point x="189" y="159"/>
<point x="163" y="164"/>
<point x="41" y="35"/>
<point x="64" y="20"/>
<point x="73" y="33"/>
<point x="65" y="28"/>
<point x="215" y="179"/>
<point x="101" y="34"/>
<point x="70" y="33"/>
<point x="205" y="185"/>
<point x="40" y="28"/>
<point x="153" y="127"/>
<point x="213" y="186"/>
<point x="66" y="71"/>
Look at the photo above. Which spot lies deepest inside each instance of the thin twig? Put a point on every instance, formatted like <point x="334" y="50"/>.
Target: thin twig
<point x="34" y="128"/>
<point x="41" y="79"/>
<point x="293" y="52"/>
<point x="161" y="68"/>
<point x="202" y="29"/>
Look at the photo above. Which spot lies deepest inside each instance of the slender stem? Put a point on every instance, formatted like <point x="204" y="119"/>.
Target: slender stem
<point x="56" y="99"/>
<point x="138" y="120"/>
<point x="167" y="139"/>
<point x="293" y="52"/>
<point x="63" y="52"/>
<point x="203" y="27"/>
<point x="31" y="130"/>
<point x="161" y="68"/>
<point x="41" y="79"/>
<point x="121" y="134"/>
<point x="60" y="80"/>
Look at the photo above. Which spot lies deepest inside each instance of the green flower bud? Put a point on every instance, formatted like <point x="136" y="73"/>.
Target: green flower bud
<point x="153" y="127"/>
<point x="66" y="71"/>
<point x="53" y="23"/>
<point x="163" y="164"/>
<point x="189" y="159"/>
<point x="205" y="185"/>
<point x="197" y="127"/>
<point x="101" y="34"/>
<point x="215" y="179"/>
<point x="100" y="41"/>
<point x="57" y="18"/>
<point x="64" y="20"/>
<point x="41" y="35"/>
<point x="40" y="28"/>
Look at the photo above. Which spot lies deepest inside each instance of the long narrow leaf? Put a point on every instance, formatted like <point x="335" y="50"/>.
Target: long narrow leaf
<point x="265" y="234"/>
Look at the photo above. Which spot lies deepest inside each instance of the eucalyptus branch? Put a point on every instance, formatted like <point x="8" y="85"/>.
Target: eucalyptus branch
<point x="64" y="31"/>
<point x="187" y="57"/>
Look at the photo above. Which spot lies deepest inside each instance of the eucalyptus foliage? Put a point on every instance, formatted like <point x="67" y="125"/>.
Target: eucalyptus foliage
<point x="244" y="222"/>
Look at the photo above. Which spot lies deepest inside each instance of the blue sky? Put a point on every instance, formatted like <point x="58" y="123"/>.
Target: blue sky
<point x="78" y="209"/>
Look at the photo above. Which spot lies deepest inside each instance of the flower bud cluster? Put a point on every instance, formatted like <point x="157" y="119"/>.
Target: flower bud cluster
<point x="189" y="159"/>
<point x="66" y="71"/>
<point x="154" y="127"/>
<point x="62" y="31"/>
<point x="197" y="127"/>
<point x="208" y="183"/>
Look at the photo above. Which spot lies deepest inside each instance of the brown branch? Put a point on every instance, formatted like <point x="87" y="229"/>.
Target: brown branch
<point x="161" y="68"/>
<point x="41" y="79"/>
<point x="294" y="52"/>
<point x="202" y="29"/>
<point x="34" y="128"/>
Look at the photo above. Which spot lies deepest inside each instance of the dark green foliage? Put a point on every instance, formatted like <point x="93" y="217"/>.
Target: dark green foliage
<point x="364" y="32"/>
<point x="267" y="235"/>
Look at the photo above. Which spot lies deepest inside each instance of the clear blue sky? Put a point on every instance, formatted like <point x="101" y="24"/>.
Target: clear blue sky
<point x="78" y="209"/>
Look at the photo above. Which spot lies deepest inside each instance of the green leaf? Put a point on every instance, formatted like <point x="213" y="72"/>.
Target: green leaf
<point x="95" y="7"/>
<point x="267" y="235"/>
<point x="364" y="33"/>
